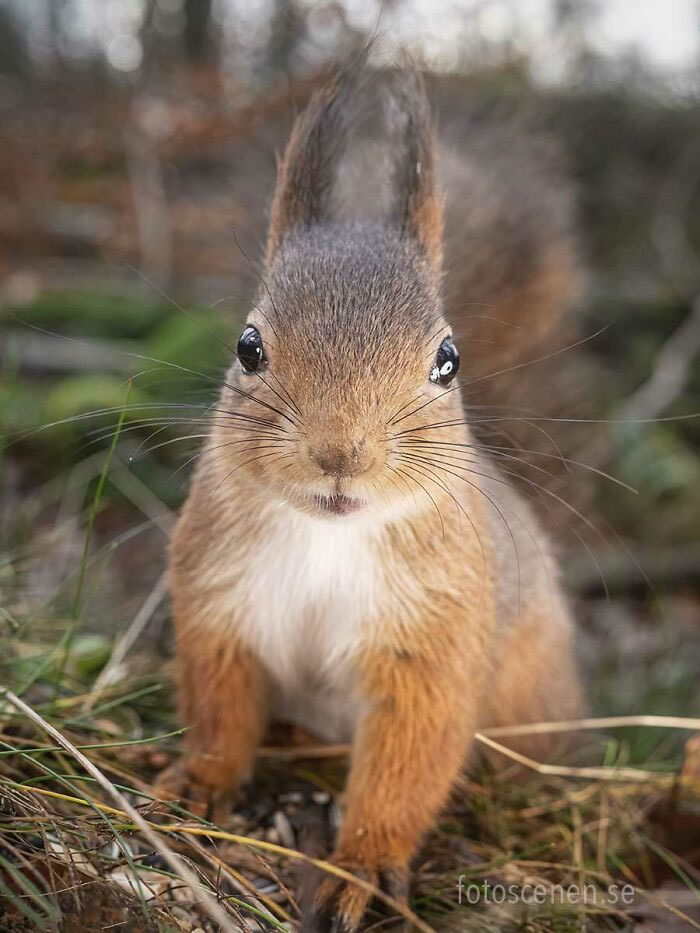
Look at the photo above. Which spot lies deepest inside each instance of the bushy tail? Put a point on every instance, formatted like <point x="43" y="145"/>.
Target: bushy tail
<point x="512" y="275"/>
<point x="510" y="256"/>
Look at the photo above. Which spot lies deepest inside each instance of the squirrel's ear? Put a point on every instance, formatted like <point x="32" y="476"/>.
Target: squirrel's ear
<point x="418" y="203"/>
<point x="306" y="175"/>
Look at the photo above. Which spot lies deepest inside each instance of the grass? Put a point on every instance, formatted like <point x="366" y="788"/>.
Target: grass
<point x="86" y="722"/>
<point x="77" y="811"/>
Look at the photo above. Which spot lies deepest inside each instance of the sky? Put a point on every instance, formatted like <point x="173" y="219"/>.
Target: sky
<point x="666" y="33"/>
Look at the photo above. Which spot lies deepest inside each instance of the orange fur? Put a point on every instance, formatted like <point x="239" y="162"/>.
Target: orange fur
<point x="221" y="694"/>
<point x="433" y="610"/>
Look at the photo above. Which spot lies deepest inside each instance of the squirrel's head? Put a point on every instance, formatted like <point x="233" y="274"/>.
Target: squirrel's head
<point x="346" y="357"/>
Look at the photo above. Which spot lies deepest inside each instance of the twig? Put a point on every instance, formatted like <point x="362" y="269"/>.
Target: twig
<point x="670" y="373"/>
<point x="109" y="673"/>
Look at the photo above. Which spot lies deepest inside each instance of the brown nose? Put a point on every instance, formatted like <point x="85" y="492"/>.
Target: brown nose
<point x="343" y="461"/>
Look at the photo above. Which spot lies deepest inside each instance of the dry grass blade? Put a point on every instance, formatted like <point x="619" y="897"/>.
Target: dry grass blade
<point x="598" y="774"/>
<point x="601" y="722"/>
<point x="307" y="752"/>
<point x="126" y="642"/>
<point x="241" y="840"/>
<point x="176" y="863"/>
<point x="151" y="831"/>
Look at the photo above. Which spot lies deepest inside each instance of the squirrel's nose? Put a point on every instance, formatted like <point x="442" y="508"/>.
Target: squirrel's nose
<point x="335" y="460"/>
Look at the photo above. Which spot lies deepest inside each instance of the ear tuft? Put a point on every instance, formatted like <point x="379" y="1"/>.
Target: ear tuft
<point x="319" y="138"/>
<point x="418" y="209"/>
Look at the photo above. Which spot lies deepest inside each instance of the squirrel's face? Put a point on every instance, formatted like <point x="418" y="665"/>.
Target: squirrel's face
<point x="344" y="360"/>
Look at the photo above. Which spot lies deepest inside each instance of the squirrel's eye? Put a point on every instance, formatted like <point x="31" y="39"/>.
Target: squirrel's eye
<point x="250" y="349"/>
<point x="446" y="363"/>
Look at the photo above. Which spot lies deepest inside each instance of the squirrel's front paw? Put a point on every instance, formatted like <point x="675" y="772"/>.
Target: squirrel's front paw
<point x="333" y="905"/>
<point x="198" y="783"/>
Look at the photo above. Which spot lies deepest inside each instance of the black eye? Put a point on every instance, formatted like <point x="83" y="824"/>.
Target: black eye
<point x="446" y="363"/>
<point x="250" y="349"/>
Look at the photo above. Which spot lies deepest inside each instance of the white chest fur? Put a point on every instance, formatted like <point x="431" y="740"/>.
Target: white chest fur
<point x="312" y="589"/>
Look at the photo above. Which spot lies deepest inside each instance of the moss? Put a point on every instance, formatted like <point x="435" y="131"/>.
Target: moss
<point x="90" y="314"/>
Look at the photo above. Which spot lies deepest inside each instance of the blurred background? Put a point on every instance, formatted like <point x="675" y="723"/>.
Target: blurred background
<point x="138" y="141"/>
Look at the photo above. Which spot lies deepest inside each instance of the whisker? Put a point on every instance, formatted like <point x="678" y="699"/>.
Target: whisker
<point x="83" y="416"/>
<point x="102" y="434"/>
<point x="140" y="452"/>
<point x="425" y="404"/>
<point x="582" y="541"/>
<point x="461" y="509"/>
<point x="508" y="369"/>
<point x="561" y="501"/>
<point x="443" y="326"/>
<point x="179" y="307"/>
<point x="523" y="523"/>
<point x="283" y="400"/>
<point x="254" y="398"/>
<point x="398" y="472"/>
<point x="540" y="359"/>
<point x="258" y="272"/>
<point x="391" y="480"/>
<point x="206" y="450"/>
<point x="445" y="488"/>
<point x="139" y="424"/>
<point x="189" y="437"/>
<point x="493" y="503"/>
<point x="409" y="466"/>
<point x="667" y="418"/>
<point x="544" y="433"/>
<point x="579" y="515"/>
<point x="252" y="460"/>
<point x="428" y="446"/>
<point x="499" y="451"/>
<point x="176" y="366"/>
<point x="415" y="399"/>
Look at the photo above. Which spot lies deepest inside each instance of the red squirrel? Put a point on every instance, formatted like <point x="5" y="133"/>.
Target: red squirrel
<point x="348" y="557"/>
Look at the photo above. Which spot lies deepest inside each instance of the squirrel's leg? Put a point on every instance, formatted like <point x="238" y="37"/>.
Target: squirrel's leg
<point x="407" y="752"/>
<point x="222" y="690"/>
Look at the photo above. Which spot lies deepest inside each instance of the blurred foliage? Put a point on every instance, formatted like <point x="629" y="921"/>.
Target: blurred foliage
<point x="52" y="420"/>
<point x="92" y="314"/>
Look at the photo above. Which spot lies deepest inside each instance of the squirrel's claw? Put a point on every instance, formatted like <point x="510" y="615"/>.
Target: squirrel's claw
<point x="338" y="906"/>
<point x="184" y="781"/>
<point x="394" y="882"/>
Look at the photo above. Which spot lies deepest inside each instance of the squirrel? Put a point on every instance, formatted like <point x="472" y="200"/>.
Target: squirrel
<point x="349" y="558"/>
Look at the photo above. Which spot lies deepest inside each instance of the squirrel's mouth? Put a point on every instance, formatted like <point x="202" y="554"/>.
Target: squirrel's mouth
<point x="338" y="504"/>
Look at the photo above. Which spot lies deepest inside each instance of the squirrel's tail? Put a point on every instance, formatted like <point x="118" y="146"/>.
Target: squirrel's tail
<point x="512" y="274"/>
<point x="511" y="269"/>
